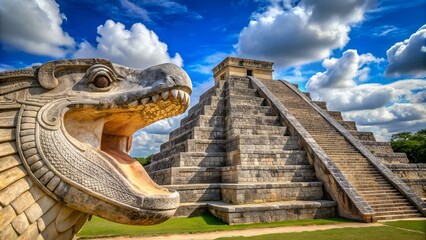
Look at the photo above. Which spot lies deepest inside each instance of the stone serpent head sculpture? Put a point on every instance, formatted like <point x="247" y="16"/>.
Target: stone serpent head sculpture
<point x="65" y="132"/>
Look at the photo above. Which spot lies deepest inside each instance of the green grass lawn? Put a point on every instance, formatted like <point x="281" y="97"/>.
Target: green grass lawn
<point x="376" y="233"/>
<point x="98" y="227"/>
<point x="412" y="225"/>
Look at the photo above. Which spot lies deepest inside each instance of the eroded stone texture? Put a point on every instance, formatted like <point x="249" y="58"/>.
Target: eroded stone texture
<point x="65" y="130"/>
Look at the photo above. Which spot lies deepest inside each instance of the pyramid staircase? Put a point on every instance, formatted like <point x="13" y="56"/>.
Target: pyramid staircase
<point x="244" y="157"/>
<point x="386" y="200"/>
<point x="232" y="155"/>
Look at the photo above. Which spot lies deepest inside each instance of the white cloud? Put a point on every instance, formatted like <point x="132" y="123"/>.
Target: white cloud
<point x="385" y="30"/>
<point x="137" y="47"/>
<point x="135" y="9"/>
<point x="34" y="26"/>
<point x="385" y="121"/>
<point x="398" y="112"/>
<point x="342" y="73"/>
<point x="291" y="33"/>
<point x="381" y="108"/>
<point x="408" y="57"/>
<point x="148" y="9"/>
<point x="144" y="144"/>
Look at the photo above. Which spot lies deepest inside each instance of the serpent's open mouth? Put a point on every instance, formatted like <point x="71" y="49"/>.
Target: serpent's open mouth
<point x="108" y="129"/>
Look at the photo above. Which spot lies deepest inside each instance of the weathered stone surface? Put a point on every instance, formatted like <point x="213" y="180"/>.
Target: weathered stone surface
<point x="6" y="216"/>
<point x="20" y="223"/>
<point x="7" y="148"/>
<point x="11" y="175"/>
<point x="27" y="199"/>
<point x="10" y="193"/>
<point x="8" y="233"/>
<point x="9" y="162"/>
<point x="31" y="232"/>
<point x="36" y="210"/>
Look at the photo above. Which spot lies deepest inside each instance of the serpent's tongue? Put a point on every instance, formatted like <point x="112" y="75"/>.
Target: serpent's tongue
<point x="134" y="173"/>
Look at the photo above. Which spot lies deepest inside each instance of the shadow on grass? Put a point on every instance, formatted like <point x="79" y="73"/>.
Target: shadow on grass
<point x="212" y="220"/>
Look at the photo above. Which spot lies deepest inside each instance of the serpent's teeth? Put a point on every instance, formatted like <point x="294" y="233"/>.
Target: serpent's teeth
<point x="180" y="95"/>
<point x="155" y="97"/>
<point x="133" y="104"/>
<point x="144" y="101"/>
<point x="165" y="95"/>
<point x="174" y="93"/>
<point x="185" y="99"/>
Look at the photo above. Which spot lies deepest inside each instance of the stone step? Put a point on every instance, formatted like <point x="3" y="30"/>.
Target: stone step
<point x="397" y="212"/>
<point x="394" y="208"/>
<point x="248" y="143"/>
<point x="378" y="147"/>
<point x="250" y="110"/>
<point x="336" y="115"/>
<point x="271" y="212"/>
<point x="381" y="194"/>
<point x="235" y="120"/>
<point x="237" y="100"/>
<point x="186" y="175"/>
<point x="203" y="121"/>
<point x="256" y="173"/>
<point x="238" y="82"/>
<point x="231" y="90"/>
<point x="369" y="136"/>
<point x="196" y="133"/>
<point x="391" y="205"/>
<point x="397" y="216"/>
<point x="206" y="145"/>
<point x="191" y="209"/>
<point x="244" y="193"/>
<point x="196" y="145"/>
<point x="285" y="157"/>
<point x="186" y="159"/>
<point x="197" y="192"/>
<point x="389" y="202"/>
<point x="374" y="188"/>
<point x="322" y="105"/>
<point x="208" y="110"/>
<point x="213" y="101"/>
<point x="177" y="148"/>
<point x="307" y="94"/>
<point x="373" y="184"/>
<point x="375" y="191"/>
<point x="192" y="145"/>
<point x="392" y="158"/>
<point x="252" y="129"/>
<point x="349" y="125"/>
<point x="382" y="197"/>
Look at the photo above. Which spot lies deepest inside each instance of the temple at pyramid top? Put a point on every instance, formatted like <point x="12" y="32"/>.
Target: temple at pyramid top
<point x="242" y="67"/>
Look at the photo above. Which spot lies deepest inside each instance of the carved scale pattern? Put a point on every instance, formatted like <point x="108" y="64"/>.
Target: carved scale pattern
<point x="84" y="168"/>
<point x="26" y="211"/>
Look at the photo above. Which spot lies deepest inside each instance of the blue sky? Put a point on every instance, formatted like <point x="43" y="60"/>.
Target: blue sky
<point x="366" y="58"/>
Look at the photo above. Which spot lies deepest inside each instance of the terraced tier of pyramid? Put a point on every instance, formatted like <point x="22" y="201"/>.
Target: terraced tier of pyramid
<point x="259" y="150"/>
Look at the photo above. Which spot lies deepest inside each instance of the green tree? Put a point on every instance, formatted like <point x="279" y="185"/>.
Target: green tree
<point x="414" y="145"/>
<point x="144" y="160"/>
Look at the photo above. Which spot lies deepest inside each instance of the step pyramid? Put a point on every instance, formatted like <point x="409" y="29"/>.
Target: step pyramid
<point x="243" y="158"/>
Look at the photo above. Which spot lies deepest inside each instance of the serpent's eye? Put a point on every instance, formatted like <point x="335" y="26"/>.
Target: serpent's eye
<point x="101" y="81"/>
<point x="100" y="78"/>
